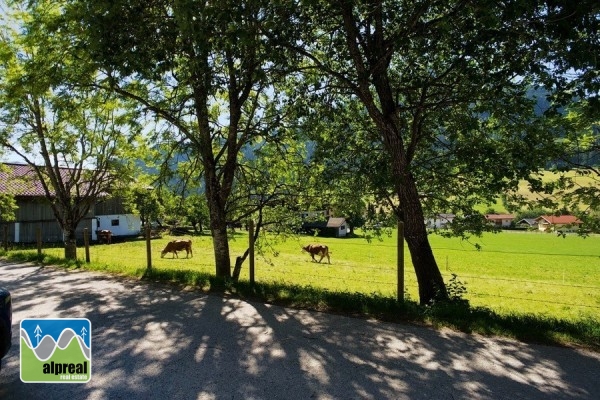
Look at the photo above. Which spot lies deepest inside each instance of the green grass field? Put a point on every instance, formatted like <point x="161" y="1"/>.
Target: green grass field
<point x="513" y="273"/>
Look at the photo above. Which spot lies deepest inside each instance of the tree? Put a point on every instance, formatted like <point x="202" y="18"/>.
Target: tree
<point x="570" y="38"/>
<point x="8" y="205"/>
<point x="202" y="67"/>
<point x="74" y="138"/>
<point x="444" y="84"/>
<point x="196" y="211"/>
<point x="574" y="186"/>
<point x="145" y="200"/>
<point x="347" y="161"/>
<point x="582" y="155"/>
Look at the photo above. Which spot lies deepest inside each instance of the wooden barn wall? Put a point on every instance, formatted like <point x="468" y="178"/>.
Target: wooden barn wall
<point x="34" y="210"/>
<point x="111" y="206"/>
<point x="50" y="231"/>
<point x="37" y="213"/>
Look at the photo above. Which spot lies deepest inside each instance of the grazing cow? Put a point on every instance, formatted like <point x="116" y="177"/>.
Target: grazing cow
<point x="317" y="249"/>
<point x="178" y="245"/>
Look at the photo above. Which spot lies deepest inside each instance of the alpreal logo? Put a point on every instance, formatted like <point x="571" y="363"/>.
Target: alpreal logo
<point x="57" y="350"/>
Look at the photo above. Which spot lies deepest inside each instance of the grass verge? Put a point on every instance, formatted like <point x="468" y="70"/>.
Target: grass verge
<point x="457" y="315"/>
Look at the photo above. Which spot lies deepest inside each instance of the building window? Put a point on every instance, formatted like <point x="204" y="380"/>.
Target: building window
<point x="114" y="222"/>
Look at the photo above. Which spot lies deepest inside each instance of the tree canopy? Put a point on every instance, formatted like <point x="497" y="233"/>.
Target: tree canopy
<point x="76" y="139"/>
<point x="445" y="85"/>
<point x="203" y="68"/>
<point x="425" y="104"/>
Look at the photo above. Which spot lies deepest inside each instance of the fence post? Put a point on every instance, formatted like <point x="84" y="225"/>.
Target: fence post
<point x="148" y="247"/>
<point x="86" y="242"/>
<point x="251" y="247"/>
<point x="38" y="240"/>
<point x="400" y="287"/>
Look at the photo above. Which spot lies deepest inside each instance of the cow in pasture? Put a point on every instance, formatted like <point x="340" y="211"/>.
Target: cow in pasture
<point x="178" y="245"/>
<point x="317" y="249"/>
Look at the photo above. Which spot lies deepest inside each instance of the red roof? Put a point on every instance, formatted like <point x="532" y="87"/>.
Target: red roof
<point x="561" y="219"/>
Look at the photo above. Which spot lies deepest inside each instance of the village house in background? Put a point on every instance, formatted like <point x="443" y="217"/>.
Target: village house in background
<point x="34" y="211"/>
<point x="324" y="224"/>
<point x="440" y="221"/>
<point x="562" y="223"/>
<point x="527" y="223"/>
<point x="544" y="223"/>
<point x="500" y="220"/>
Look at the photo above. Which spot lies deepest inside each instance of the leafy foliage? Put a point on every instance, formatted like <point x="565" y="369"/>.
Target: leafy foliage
<point x="205" y="71"/>
<point x="75" y="139"/>
<point x="436" y="84"/>
<point x="8" y="206"/>
<point x="421" y="106"/>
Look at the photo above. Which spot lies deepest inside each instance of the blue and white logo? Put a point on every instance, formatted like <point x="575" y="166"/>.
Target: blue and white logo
<point x="56" y="350"/>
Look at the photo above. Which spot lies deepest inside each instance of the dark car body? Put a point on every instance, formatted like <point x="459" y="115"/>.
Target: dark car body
<point x="5" y="323"/>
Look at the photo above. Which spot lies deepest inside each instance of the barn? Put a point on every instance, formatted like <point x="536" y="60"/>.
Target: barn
<point x="332" y="227"/>
<point x="35" y="214"/>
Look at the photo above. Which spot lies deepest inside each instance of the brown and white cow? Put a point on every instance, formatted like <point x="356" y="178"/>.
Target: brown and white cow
<point x="317" y="249"/>
<point x="178" y="245"/>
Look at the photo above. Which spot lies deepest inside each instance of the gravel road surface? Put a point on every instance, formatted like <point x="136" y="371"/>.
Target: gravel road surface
<point x="154" y="341"/>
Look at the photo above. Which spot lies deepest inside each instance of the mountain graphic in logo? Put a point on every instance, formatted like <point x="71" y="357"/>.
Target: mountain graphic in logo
<point x="56" y="350"/>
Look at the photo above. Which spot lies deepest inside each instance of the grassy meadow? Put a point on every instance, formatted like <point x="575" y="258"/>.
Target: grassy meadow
<point x="513" y="273"/>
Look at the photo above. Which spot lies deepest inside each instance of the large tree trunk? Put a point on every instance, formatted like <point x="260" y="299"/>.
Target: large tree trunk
<point x="70" y="243"/>
<point x="370" y="52"/>
<point x="216" y="195"/>
<point x="429" y="277"/>
<point x="218" y="226"/>
<point x="221" y="248"/>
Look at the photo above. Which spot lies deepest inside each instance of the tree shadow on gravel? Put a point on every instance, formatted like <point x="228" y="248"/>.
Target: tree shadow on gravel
<point x="152" y="340"/>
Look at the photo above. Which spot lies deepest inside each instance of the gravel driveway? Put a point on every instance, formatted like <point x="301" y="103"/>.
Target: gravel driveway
<point x="153" y="341"/>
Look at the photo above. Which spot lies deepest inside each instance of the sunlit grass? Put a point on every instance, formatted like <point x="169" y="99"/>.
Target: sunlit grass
<point x="516" y="278"/>
<point x="520" y="272"/>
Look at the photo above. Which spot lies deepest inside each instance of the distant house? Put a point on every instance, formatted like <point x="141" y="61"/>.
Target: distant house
<point x="332" y="227"/>
<point x="339" y="226"/>
<point x="440" y="221"/>
<point x="527" y="223"/>
<point x="563" y="223"/>
<point x="35" y="213"/>
<point x="500" y="220"/>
